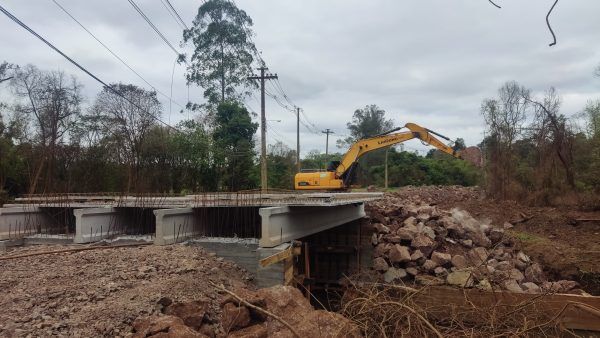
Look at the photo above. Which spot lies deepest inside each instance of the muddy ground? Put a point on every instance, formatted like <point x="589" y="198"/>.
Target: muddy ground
<point x="568" y="249"/>
<point x="101" y="292"/>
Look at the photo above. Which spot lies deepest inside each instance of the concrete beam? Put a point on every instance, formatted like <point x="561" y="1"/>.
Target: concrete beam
<point x="21" y="221"/>
<point x="95" y="224"/>
<point x="284" y="224"/>
<point x="174" y="225"/>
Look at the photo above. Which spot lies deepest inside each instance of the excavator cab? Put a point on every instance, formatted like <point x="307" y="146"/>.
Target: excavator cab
<point x="332" y="165"/>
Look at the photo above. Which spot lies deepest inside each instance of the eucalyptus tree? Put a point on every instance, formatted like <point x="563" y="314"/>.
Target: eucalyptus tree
<point x="223" y="52"/>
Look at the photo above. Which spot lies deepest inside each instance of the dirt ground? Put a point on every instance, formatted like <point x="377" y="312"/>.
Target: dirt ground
<point x="567" y="248"/>
<point x="101" y="292"/>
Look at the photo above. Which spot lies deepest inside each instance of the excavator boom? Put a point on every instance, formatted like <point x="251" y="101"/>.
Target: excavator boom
<point x="340" y="178"/>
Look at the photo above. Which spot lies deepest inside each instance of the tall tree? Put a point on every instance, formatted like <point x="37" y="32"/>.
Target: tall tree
<point x="504" y="117"/>
<point x="51" y="103"/>
<point x="234" y="146"/>
<point x="367" y="122"/>
<point x="127" y="122"/>
<point x="281" y="162"/>
<point x="223" y="50"/>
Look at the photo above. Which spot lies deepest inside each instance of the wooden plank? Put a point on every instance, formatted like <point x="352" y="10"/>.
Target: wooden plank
<point x="280" y="256"/>
<point x="573" y="311"/>
<point x="288" y="270"/>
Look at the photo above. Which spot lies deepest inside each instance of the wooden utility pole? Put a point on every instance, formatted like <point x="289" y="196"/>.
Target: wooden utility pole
<point x="327" y="131"/>
<point x="297" y="139"/>
<point x="263" y="125"/>
<point x="386" y="167"/>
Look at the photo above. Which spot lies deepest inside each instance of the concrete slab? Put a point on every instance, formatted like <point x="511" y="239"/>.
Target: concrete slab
<point x="284" y="224"/>
<point x="248" y="199"/>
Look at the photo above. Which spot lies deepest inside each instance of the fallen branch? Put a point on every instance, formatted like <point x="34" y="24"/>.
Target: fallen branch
<point x="74" y="250"/>
<point x="257" y="308"/>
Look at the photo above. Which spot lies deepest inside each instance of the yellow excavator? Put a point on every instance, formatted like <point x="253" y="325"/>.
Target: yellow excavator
<point x="340" y="174"/>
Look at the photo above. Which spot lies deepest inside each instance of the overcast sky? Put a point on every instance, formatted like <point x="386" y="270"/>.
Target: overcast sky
<point x="431" y="62"/>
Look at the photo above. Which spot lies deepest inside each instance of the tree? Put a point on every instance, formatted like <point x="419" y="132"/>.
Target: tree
<point x="504" y="117"/>
<point x="552" y="128"/>
<point x="281" y="161"/>
<point x="223" y="50"/>
<point x="52" y="105"/>
<point x="193" y="158"/>
<point x="367" y="122"/>
<point x="125" y="123"/>
<point x="5" y="67"/>
<point x="233" y="139"/>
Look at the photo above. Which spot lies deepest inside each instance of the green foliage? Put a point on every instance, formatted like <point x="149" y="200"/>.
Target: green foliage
<point x="223" y="50"/>
<point x="234" y="146"/>
<point x="281" y="166"/>
<point x="367" y="122"/>
<point x="316" y="160"/>
<point x="405" y="168"/>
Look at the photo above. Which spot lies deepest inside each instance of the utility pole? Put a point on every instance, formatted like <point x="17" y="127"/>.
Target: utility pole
<point x="263" y="125"/>
<point x="327" y="131"/>
<point x="386" y="168"/>
<point x="297" y="139"/>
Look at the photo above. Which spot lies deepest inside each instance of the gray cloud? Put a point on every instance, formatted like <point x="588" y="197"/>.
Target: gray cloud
<point x="426" y="61"/>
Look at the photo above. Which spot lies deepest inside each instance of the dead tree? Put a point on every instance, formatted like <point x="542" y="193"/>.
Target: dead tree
<point x="559" y="134"/>
<point x="51" y="104"/>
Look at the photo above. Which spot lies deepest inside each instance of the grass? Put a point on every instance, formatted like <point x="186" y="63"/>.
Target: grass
<point x="526" y="237"/>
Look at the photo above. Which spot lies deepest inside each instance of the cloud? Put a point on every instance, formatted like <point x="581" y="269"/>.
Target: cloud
<point x="425" y="61"/>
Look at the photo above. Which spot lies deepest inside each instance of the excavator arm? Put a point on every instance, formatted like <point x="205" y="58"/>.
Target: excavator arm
<point x="341" y="177"/>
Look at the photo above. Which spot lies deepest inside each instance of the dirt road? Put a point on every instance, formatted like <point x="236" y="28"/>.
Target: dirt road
<point x="101" y="292"/>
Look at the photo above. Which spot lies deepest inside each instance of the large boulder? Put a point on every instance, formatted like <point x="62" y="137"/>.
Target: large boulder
<point x="459" y="261"/>
<point x="163" y="327"/>
<point x="441" y="258"/>
<point x="534" y="273"/>
<point x="399" y="254"/>
<point x="192" y="313"/>
<point x="393" y="274"/>
<point x="234" y="317"/>
<point x="380" y="264"/>
<point x="462" y="278"/>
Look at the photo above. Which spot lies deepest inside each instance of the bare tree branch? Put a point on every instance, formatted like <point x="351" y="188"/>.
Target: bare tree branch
<point x="548" y="23"/>
<point x="8" y="78"/>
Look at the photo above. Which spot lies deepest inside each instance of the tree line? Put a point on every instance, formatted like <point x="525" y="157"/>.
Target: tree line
<point x="536" y="153"/>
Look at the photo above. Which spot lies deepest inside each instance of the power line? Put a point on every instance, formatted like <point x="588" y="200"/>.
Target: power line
<point x="177" y="14"/>
<point x="20" y="23"/>
<point x="145" y="17"/>
<point x="171" y="14"/>
<point x="115" y="55"/>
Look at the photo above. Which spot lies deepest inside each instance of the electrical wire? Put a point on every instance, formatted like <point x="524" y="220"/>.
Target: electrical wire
<point x="158" y="32"/>
<point x="177" y="14"/>
<point x="170" y="98"/>
<point x="172" y="15"/>
<point x="34" y="33"/>
<point x="548" y="23"/>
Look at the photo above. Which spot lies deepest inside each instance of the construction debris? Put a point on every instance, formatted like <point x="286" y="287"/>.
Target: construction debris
<point x="279" y="311"/>
<point x="413" y="238"/>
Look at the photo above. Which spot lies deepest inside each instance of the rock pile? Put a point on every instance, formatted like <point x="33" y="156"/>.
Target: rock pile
<point x="196" y="319"/>
<point x="420" y="242"/>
